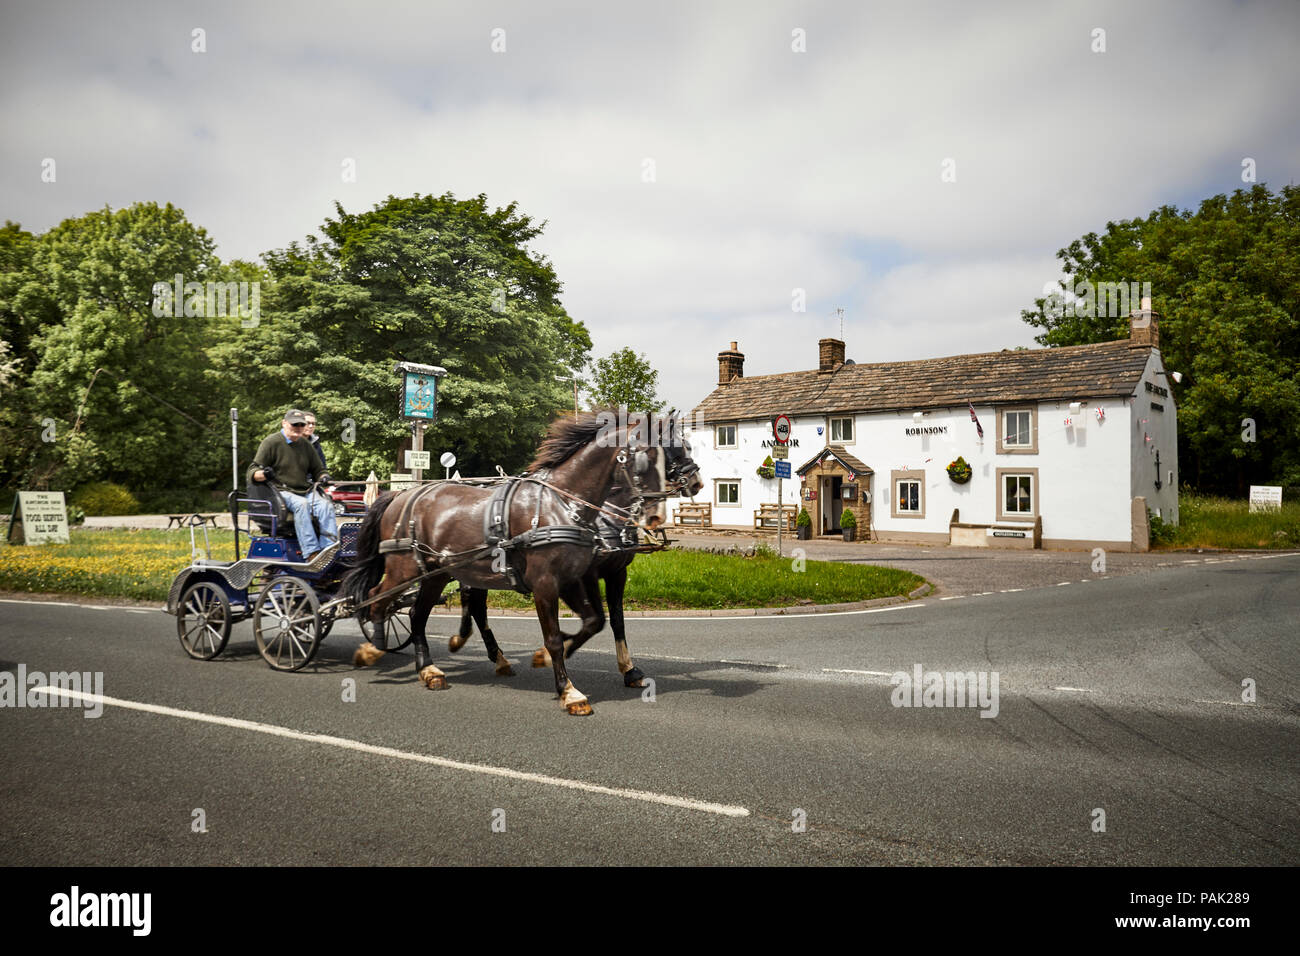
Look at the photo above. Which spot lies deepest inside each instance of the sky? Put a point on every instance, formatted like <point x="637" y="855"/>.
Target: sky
<point x="704" y="168"/>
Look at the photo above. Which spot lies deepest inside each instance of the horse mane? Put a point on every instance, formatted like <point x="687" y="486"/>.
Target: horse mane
<point x="564" y="439"/>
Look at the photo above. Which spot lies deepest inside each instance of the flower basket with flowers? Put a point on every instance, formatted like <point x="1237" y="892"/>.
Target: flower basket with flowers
<point x="959" y="471"/>
<point x="767" y="469"/>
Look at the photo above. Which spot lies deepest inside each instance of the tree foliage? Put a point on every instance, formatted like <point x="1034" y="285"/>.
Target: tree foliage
<point x="625" y="378"/>
<point x="427" y="279"/>
<point x="1226" y="282"/>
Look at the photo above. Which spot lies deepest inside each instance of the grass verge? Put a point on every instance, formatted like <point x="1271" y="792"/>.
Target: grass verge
<point x="141" y="564"/>
<point x="1206" y="522"/>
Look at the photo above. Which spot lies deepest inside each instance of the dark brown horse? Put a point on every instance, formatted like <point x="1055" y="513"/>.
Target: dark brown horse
<point x="618" y="549"/>
<point x="546" y="550"/>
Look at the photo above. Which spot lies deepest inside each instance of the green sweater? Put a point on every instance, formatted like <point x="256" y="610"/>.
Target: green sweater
<point x="295" y="464"/>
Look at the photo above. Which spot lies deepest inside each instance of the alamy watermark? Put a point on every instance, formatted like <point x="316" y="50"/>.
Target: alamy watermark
<point x="38" y="689"/>
<point x="210" y="300"/>
<point x="1088" y="300"/>
<point x="923" y="688"/>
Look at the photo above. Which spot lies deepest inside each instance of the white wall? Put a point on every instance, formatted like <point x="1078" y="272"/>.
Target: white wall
<point x="1154" y="431"/>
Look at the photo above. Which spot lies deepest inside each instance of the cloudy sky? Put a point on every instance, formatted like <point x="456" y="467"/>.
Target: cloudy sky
<point x="697" y="162"/>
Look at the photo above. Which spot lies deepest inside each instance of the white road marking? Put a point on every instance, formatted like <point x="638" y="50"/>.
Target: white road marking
<point x="846" y="670"/>
<point x="1064" y="584"/>
<point x="1080" y="690"/>
<point x="952" y="597"/>
<point x="645" y="796"/>
<point x="1230" y="703"/>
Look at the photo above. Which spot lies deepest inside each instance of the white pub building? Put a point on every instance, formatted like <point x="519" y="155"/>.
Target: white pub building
<point x="1078" y="443"/>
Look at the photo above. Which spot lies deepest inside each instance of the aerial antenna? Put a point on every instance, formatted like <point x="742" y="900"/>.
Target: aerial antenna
<point x="840" y="313"/>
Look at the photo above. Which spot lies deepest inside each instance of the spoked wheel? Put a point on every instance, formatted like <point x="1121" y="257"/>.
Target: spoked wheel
<point x="327" y="618"/>
<point x="398" y="629"/>
<point x="287" y="623"/>
<point x="203" y="620"/>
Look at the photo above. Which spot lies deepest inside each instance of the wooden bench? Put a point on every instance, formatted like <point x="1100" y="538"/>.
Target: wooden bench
<point x="701" y="514"/>
<point x="767" y="516"/>
<point x="185" y="520"/>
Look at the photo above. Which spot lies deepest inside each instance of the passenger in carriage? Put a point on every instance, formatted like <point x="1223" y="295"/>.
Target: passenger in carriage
<point x="309" y="432"/>
<point x="289" y="461"/>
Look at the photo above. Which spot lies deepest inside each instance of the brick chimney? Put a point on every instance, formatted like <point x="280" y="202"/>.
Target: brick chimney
<point x="731" y="364"/>
<point x="830" y="354"/>
<point x="1144" y="327"/>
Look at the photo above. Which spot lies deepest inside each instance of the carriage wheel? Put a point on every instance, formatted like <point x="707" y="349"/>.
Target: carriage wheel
<point x="203" y="620"/>
<point x="398" y="629"/>
<point x="327" y="619"/>
<point x="287" y="623"/>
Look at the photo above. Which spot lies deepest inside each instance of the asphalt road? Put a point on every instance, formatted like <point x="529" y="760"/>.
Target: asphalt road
<point x="1121" y="694"/>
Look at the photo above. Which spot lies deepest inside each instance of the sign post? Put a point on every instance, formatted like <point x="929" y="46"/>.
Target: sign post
<point x="781" y="433"/>
<point x="419" y="405"/>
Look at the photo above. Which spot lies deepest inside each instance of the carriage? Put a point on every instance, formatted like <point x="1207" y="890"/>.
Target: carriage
<point x="293" y="604"/>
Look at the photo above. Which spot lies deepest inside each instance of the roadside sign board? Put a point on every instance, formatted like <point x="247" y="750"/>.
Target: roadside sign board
<point x="418" y="459"/>
<point x="781" y="429"/>
<point x="1265" y="497"/>
<point x="780" y="451"/>
<point x="782" y="469"/>
<point x="43" y="516"/>
<point x="398" y="481"/>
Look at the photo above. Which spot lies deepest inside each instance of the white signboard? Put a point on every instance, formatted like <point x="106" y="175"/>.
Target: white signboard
<point x="419" y="459"/>
<point x="780" y="451"/>
<point x="1265" y="497"/>
<point x="44" y="516"/>
<point x="400" y="480"/>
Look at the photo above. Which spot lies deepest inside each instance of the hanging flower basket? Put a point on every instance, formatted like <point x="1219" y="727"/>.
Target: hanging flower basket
<point x="959" y="471"/>
<point x="767" y="469"/>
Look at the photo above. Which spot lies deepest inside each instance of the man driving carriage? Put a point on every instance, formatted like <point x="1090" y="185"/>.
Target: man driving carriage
<point x="287" y="460"/>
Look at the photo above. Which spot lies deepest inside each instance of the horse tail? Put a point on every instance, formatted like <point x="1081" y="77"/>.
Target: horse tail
<point x="367" y="568"/>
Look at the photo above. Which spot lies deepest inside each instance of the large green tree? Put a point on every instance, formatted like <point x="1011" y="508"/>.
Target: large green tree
<point x="1226" y="281"/>
<point x="624" y="378"/>
<point x="427" y="279"/>
<point x="124" y="388"/>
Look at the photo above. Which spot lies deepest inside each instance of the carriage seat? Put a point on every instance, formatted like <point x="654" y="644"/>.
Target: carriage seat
<point x="264" y="491"/>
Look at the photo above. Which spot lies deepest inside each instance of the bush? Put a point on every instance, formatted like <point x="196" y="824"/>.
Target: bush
<point x="804" y="519"/>
<point x="848" y="519"/>
<point x="1162" y="532"/>
<point x="105" y="498"/>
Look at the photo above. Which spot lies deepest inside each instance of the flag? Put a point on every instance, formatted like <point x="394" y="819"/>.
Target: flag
<point x="853" y="475"/>
<point x="978" y="427"/>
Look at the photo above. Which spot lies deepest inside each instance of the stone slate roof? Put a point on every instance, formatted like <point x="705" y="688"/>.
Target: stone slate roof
<point x="1069" y="373"/>
<point x="848" y="461"/>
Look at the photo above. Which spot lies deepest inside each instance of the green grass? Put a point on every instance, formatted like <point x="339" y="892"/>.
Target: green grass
<point x="141" y="564"/>
<point x="1206" y="522"/>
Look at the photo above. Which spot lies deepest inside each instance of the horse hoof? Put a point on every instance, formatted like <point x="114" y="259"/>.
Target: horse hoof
<point x="579" y="708"/>
<point x="433" y="678"/>
<point x="366" y="655"/>
<point x="634" y="678"/>
<point x="456" y="642"/>
<point x="541" y="658"/>
<point x="503" y="667"/>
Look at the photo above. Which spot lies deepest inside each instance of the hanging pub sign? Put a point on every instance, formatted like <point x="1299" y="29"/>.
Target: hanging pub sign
<point x="419" y="390"/>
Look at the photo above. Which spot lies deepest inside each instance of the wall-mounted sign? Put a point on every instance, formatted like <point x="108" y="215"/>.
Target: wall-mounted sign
<point x="780" y="451"/>
<point x="770" y="443"/>
<point x="1157" y="389"/>
<point x="926" y="430"/>
<point x="1008" y="534"/>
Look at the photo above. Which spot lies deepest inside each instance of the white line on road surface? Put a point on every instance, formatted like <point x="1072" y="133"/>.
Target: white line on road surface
<point x="846" y="670"/>
<point x="685" y="803"/>
<point x="1080" y="690"/>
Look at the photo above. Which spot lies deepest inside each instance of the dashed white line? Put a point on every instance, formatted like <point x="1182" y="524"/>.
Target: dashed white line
<point x="1077" y="690"/>
<point x="645" y="796"/>
<point x="847" y="670"/>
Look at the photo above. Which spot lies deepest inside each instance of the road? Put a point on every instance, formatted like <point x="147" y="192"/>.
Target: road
<point x="1119" y="694"/>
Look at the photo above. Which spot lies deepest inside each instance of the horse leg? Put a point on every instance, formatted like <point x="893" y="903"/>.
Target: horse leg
<point x="468" y="599"/>
<point x="546" y="600"/>
<point x="578" y="597"/>
<point x="479" y="611"/>
<point x="615" y="584"/>
<point x="430" y="676"/>
<point x="369" y="652"/>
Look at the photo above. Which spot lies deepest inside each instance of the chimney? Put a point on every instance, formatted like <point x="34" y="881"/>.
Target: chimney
<point x="731" y="364"/>
<point x="1144" y="327"/>
<point x="830" y="354"/>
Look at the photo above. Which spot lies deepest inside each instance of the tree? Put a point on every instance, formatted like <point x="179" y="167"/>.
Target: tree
<point x="625" y="378"/>
<point x="427" y="279"/>
<point x="1226" y="281"/>
<point x="125" y="387"/>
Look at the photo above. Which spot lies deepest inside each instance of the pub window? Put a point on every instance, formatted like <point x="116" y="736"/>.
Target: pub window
<point x="726" y="436"/>
<point x="1018" y="431"/>
<point x="726" y="492"/>
<point x="909" y="497"/>
<point x="1018" y="494"/>
<point x="841" y="430"/>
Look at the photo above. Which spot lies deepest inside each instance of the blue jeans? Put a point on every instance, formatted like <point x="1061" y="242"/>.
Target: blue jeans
<point x="303" y="507"/>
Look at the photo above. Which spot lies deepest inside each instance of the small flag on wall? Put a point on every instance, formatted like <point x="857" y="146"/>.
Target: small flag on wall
<point x="978" y="427"/>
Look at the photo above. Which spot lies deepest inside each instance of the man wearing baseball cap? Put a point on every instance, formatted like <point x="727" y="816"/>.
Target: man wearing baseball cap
<point x="287" y="460"/>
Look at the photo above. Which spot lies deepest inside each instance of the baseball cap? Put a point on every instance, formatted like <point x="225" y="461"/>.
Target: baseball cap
<point x="295" y="416"/>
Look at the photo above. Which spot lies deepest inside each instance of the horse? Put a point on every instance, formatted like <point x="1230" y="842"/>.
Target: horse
<point x="611" y="564"/>
<point x="454" y="530"/>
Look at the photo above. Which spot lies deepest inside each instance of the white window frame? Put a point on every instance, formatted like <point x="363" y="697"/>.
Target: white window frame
<point x="1035" y="493"/>
<point x="897" y="478"/>
<point x="830" y="430"/>
<point x="735" y="436"/>
<point x="1026" y="448"/>
<point x="717" y="488"/>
